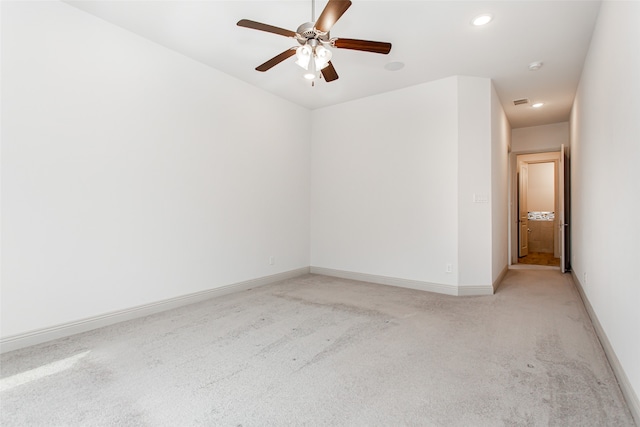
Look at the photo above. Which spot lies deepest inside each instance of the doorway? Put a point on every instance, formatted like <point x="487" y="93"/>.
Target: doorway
<point x="537" y="201"/>
<point x="537" y="207"/>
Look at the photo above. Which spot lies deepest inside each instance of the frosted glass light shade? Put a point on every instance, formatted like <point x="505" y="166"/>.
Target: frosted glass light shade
<point x="322" y="57"/>
<point x="303" y="53"/>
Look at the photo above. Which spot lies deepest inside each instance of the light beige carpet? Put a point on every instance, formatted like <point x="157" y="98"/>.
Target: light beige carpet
<point x="324" y="351"/>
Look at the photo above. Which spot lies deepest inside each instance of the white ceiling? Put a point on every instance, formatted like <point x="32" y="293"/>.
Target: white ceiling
<point x="434" y="39"/>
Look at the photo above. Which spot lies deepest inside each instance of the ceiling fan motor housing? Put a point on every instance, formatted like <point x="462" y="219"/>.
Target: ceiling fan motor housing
<point x="307" y="31"/>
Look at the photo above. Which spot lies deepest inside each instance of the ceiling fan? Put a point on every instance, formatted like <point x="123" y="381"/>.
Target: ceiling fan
<point x="314" y="54"/>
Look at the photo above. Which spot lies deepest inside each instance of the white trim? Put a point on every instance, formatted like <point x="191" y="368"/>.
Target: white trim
<point x="474" y="290"/>
<point x="391" y="281"/>
<point x="499" y="279"/>
<point x="39" y="336"/>
<point x="627" y="389"/>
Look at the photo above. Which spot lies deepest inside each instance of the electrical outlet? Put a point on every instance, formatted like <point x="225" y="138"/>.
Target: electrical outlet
<point x="449" y="268"/>
<point x="272" y="260"/>
<point x="584" y="278"/>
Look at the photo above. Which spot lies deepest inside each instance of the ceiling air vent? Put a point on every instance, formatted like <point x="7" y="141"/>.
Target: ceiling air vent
<point x="520" y="101"/>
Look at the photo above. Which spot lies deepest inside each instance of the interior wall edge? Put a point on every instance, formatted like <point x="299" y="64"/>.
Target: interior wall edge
<point x="499" y="279"/>
<point x="43" y="335"/>
<point x="623" y="380"/>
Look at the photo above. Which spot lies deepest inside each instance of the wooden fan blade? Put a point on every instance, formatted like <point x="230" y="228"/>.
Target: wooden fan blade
<point x="329" y="73"/>
<point x="331" y="13"/>
<point x="264" y="27"/>
<point x="276" y="60"/>
<point x="364" y="45"/>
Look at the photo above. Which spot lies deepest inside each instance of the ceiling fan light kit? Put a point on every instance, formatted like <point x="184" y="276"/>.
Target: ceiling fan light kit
<point x="313" y="58"/>
<point x="314" y="53"/>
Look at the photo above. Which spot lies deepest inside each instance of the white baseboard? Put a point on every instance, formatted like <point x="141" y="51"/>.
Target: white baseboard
<point x="406" y="283"/>
<point x="475" y="290"/>
<point x="627" y="390"/>
<point x="39" y="336"/>
<point x="497" y="282"/>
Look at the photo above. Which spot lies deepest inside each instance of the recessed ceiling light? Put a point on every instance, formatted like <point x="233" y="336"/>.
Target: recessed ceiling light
<point x="537" y="104"/>
<point x="483" y="19"/>
<point x="394" y="66"/>
<point x="535" y="66"/>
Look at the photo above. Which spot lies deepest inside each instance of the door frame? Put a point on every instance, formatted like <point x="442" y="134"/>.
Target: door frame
<point x="528" y="157"/>
<point x="523" y="220"/>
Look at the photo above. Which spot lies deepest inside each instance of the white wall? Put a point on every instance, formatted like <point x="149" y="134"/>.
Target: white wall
<point x="394" y="179"/>
<point x="541" y="187"/>
<point x="132" y="174"/>
<point x="500" y="143"/>
<point x="474" y="181"/>
<point x="540" y="138"/>
<point x="384" y="184"/>
<point x="605" y="151"/>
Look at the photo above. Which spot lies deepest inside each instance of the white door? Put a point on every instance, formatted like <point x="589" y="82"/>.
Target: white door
<point x="523" y="212"/>
<point x="562" y="224"/>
